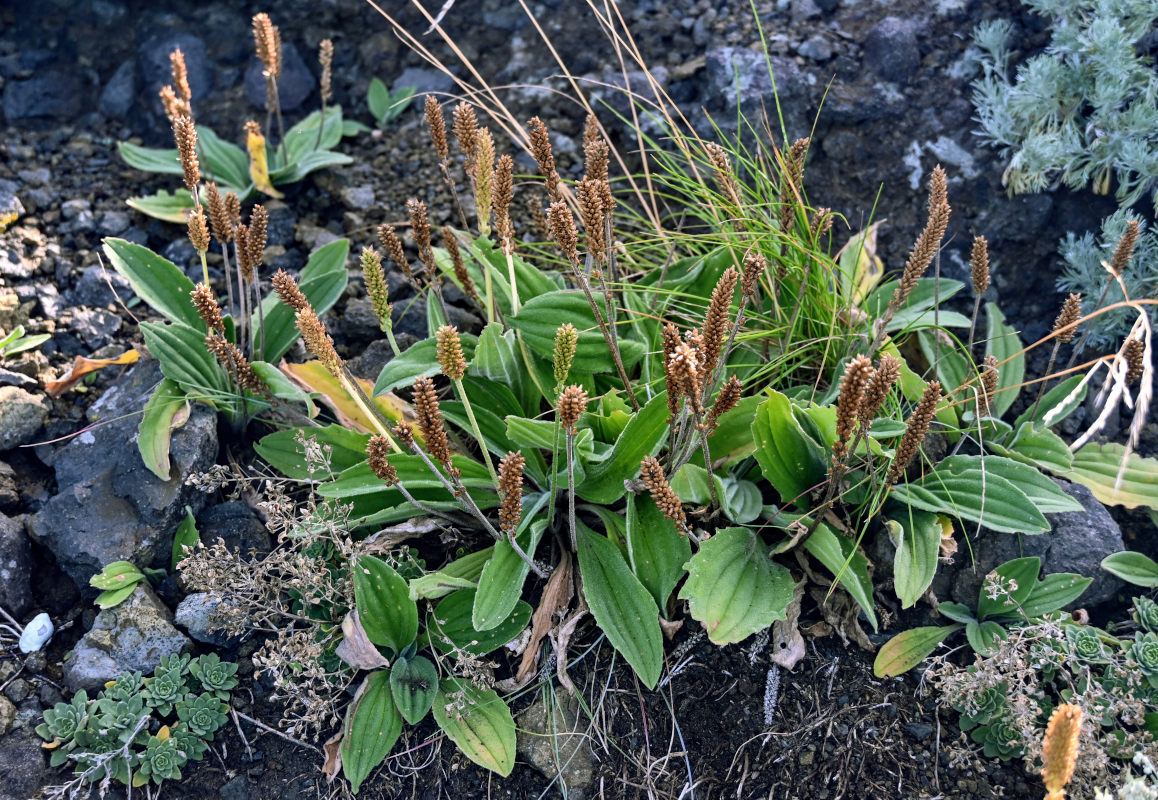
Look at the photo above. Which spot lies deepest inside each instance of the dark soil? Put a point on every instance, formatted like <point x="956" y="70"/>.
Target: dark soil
<point x="836" y="731"/>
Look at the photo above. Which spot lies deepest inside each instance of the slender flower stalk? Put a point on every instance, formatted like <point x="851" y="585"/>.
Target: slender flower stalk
<point x="377" y="451"/>
<point x="572" y="404"/>
<point x="451" y="244"/>
<point x="453" y="365"/>
<point x="1070" y="313"/>
<point x="267" y="42"/>
<point x="326" y="62"/>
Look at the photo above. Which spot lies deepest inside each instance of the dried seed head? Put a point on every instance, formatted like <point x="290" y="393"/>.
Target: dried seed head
<point x="198" y="229"/>
<point x="287" y="289"/>
<point x="466" y="132"/>
<point x="590" y="196"/>
<point x="420" y="230"/>
<point x="267" y="41"/>
<point x="1059" y="751"/>
<point x="848" y="404"/>
<point x="716" y="321"/>
<point x="484" y="174"/>
<point x="754" y="265"/>
<point x="180" y="76"/>
<point x="666" y="500"/>
<point x="1134" y="352"/>
<point x="1070" y="313"/>
<point x="236" y="363"/>
<point x="821" y="222"/>
<point x="393" y="247"/>
<point x="430" y="420"/>
<point x="436" y="123"/>
<point x="218" y="215"/>
<point x="989" y="376"/>
<point x="595" y="150"/>
<point x="374" y="279"/>
<point x="377" y="451"/>
<point x="928" y="241"/>
<point x="915" y="430"/>
<point x="258" y="231"/>
<point x="404" y="433"/>
<point x="671" y="340"/>
<point x="979" y="265"/>
<point x="450" y="356"/>
<point x="318" y="341"/>
<point x="1125" y="249"/>
<point x="683" y="369"/>
<point x="326" y="61"/>
<point x="460" y="272"/>
<point x="233" y="209"/>
<point x="876" y="391"/>
<point x="241" y="238"/>
<point x="511" y="488"/>
<point x="563" y="229"/>
<point x="504" y="193"/>
<point x="725" y="179"/>
<point x="566" y="340"/>
<point x="174" y="106"/>
<point x="572" y="404"/>
<point x="726" y="400"/>
<point x="541" y="149"/>
<point x="207" y="307"/>
<point x="185" y="135"/>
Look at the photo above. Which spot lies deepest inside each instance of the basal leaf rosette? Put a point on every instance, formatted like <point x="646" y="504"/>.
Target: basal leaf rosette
<point x="1146" y="613"/>
<point x="1085" y="644"/>
<point x="1144" y="652"/>
<point x="204" y="714"/>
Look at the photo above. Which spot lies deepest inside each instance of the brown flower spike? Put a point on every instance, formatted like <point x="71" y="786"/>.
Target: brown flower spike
<point x="287" y="289"/>
<point x="876" y="391"/>
<point x="393" y="247"/>
<point x="436" y="123"/>
<point x="666" y="500"/>
<point x="326" y="61"/>
<point x="198" y="230"/>
<point x="450" y="356"/>
<point x="726" y="400"/>
<point x="929" y="240"/>
<point x="185" y="135"/>
<point x="218" y="214"/>
<point x="979" y="265"/>
<point x="180" y="75"/>
<point x="1125" y="249"/>
<point x="989" y="376"/>
<point x="430" y="420"/>
<point x="318" y="341"/>
<point x="207" y="307"/>
<point x="716" y="321"/>
<point x="377" y="450"/>
<point x="541" y="150"/>
<point x="915" y="430"/>
<point x="848" y="404"/>
<point x="1070" y="313"/>
<point x="1133" y="352"/>
<point x="572" y="404"/>
<point x="563" y="229"/>
<point x="511" y="488"/>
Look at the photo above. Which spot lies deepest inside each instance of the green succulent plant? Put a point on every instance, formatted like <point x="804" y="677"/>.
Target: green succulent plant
<point x="169" y="683"/>
<point x="216" y="677"/>
<point x="1086" y="644"/>
<point x="61" y="724"/>
<point x="1146" y="613"/>
<point x="203" y="715"/>
<point x="1144" y="652"/>
<point x="161" y="761"/>
<point x="126" y="686"/>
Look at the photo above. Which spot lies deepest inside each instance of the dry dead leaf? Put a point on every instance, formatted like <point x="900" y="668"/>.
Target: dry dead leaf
<point x="556" y="597"/>
<point x="356" y="649"/>
<point x="82" y="366"/>
<point x="561" y="637"/>
<point x="333" y="762"/>
<point x="388" y="538"/>
<point x="670" y="627"/>
<point x="787" y="643"/>
<point x="841" y="612"/>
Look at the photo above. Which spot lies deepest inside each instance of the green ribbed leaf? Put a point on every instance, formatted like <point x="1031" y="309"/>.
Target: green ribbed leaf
<point x="479" y="722"/>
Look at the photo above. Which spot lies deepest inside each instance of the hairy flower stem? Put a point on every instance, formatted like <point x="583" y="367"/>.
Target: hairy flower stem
<point x="571" y="491"/>
<point x="482" y="443"/>
<point x="973" y="323"/>
<point x="707" y="460"/>
<point x="1041" y="386"/>
<point x="445" y="166"/>
<point x="369" y="407"/>
<point x="608" y="333"/>
<point x="242" y="296"/>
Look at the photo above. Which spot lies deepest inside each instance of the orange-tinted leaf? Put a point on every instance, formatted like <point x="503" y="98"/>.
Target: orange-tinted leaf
<point x="82" y="366"/>
<point x="313" y="377"/>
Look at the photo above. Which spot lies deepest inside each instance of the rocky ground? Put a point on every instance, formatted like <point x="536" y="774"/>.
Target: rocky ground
<point x="78" y="76"/>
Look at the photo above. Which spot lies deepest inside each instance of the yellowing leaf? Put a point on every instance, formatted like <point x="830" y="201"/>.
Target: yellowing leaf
<point x="163" y="734"/>
<point x="860" y="266"/>
<point x="259" y="164"/>
<point x="313" y="377"/>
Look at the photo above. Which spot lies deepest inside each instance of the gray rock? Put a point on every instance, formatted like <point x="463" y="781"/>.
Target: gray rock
<point x="129" y="637"/>
<point x="95" y="326"/>
<point x="92" y="288"/>
<point x="48" y="93"/>
<point x="113" y="223"/>
<point x="280" y="231"/>
<point x="9" y="496"/>
<point x="9" y="202"/>
<point x="754" y="87"/>
<point x="22" y="251"/>
<point x="1078" y="543"/>
<point x="117" y="96"/>
<point x="551" y="738"/>
<point x="372" y="359"/>
<point x="7" y="715"/>
<point x="109" y="506"/>
<point x="22" y="764"/>
<point x="891" y="50"/>
<point x="236" y="525"/>
<point x="15" y="568"/>
<point x="51" y="303"/>
<point x="424" y="81"/>
<point x="10" y="378"/>
<point x="816" y="47"/>
<point x="359" y="198"/>
<point x="76" y="209"/>
<point x="155" y="70"/>
<point x="293" y="85"/>
<point x="21" y="416"/>
<point x="203" y="616"/>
